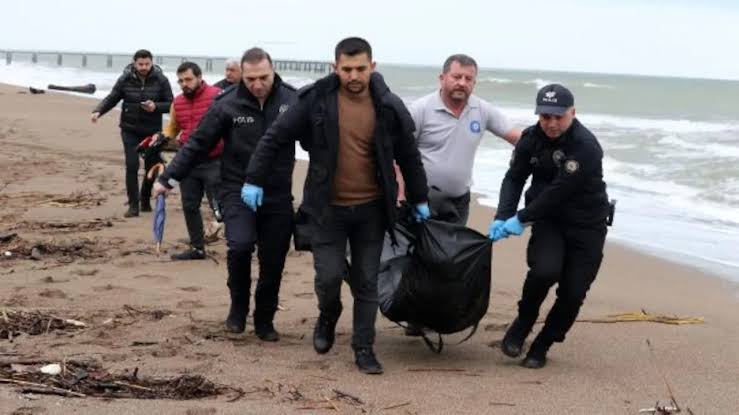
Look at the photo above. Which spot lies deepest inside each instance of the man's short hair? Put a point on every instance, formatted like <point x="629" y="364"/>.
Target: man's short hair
<point x="461" y="58"/>
<point x="142" y="54"/>
<point x="255" y="55"/>
<point x="184" y="66"/>
<point x="231" y="61"/>
<point x="352" y="46"/>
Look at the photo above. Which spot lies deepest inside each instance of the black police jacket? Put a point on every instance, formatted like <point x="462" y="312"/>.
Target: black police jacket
<point x="567" y="178"/>
<point x="315" y="120"/>
<point x="237" y="117"/>
<point x="133" y="91"/>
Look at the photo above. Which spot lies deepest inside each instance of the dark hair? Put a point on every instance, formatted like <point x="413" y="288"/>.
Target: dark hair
<point x="184" y="66"/>
<point x="461" y="58"/>
<point x="352" y="46"/>
<point x="255" y="55"/>
<point x="142" y="54"/>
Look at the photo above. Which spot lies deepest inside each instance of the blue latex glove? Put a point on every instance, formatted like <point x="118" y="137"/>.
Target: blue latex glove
<point x="421" y="212"/>
<point x="252" y="196"/>
<point x="494" y="230"/>
<point x="513" y="226"/>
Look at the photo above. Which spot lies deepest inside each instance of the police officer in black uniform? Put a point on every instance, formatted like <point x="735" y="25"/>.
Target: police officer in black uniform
<point x="567" y="208"/>
<point x="241" y="115"/>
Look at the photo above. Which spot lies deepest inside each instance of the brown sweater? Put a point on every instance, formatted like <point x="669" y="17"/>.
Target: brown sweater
<point x="355" y="181"/>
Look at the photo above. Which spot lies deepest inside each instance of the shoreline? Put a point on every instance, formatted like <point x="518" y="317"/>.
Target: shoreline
<point x="729" y="272"/>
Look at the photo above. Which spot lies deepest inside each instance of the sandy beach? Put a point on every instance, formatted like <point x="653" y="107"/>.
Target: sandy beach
<point x="58" y="168"/>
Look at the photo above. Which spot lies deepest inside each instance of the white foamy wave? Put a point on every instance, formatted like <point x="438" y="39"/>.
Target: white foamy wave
<point x="40" y="76"/>
<point x="594" y="85"/>
<point x="526" y="116"/>
<point x="493" y="80"/>
<point x="540" y="83"/>
<point x="699" y="150"/>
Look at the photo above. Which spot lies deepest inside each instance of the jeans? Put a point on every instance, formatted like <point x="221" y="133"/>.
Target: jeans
<point x="363" y="226"/>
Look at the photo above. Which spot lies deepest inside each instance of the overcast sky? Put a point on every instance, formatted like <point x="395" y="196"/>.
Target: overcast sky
<point x="694" y="38"/>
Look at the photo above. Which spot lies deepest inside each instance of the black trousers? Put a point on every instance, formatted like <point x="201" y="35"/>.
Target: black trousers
<point x="363" y="227"/>
<point x="270" y="233"/>
<point x="130" y="144"/>
<point x="564" y="255"/>
<point x="203" y="179"/>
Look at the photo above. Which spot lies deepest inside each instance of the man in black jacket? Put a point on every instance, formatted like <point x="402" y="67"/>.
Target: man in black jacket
<point x="353" y="127"/>
<point x="568" y="206"/>
<point x="146" y="95"/>
<point x="241" y="115"/>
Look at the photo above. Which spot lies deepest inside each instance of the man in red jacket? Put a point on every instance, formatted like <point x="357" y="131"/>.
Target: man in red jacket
<point x="187" y="110"/>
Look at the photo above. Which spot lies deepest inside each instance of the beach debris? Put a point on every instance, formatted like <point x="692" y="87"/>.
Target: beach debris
<point x="51" y="369"/>
<point x="84" y="89"/>
<point x="152" y="314"/>
<point x="61" y="251"/>
<point x="658" y="409"/>
<point x="644" y="316"/>
<point x="79" y="199"/>
<point x="87" y="378"/>
<point x="55" y="227"/>
<point x="33" y="323"/>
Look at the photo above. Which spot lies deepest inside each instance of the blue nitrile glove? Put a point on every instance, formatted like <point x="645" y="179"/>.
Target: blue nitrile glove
<point x="513" y="226"/>
<point x="421" y="212"/>
<point x="252" y="196"/>
<point x="494" y="229"/>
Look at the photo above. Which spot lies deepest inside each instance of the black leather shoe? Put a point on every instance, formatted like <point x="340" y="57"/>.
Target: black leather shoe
<point x="131" y="213"/>
<point x="367" y="362"/>
<point x="267" y="332"/>
<point x="236" y="320"/>
<point x="192" y="253"/>
<point x="324" y="334"/>
<point x="536" y="358"/>
<point x="146" y="206"/>
<point x="512" y="344"/>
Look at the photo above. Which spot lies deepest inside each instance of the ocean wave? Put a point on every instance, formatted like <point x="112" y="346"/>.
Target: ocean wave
<point x="625" y="123"/>
<point x="493" y="80"/>
<point x="594" y="85"/>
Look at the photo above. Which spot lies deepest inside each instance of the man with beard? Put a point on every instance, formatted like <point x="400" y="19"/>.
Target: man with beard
<point x="187" y="110"/>
<point x="352" y="127"/>
<point x="146" y="95"/>
<point x="450" y="124"/>
<point x="241" y="115"/>
<point x="233" y="74"/>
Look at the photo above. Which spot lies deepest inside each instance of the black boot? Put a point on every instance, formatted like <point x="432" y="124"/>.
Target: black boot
<point x="132" y="212"/>
<point x="366" y="361"/>
<point x="512" y="344"/>
<point x="192" y="253"/>
<point x="266" y="332"/>
<point x="324" y="333"/>
<point x="236" y="320"/>
<point x="145" y="205"/>
<point x="536" y="358"/>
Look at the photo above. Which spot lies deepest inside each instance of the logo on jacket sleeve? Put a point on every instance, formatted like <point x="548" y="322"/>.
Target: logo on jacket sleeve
<point x="475" y="126"/>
